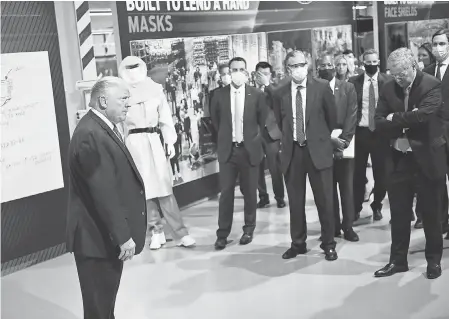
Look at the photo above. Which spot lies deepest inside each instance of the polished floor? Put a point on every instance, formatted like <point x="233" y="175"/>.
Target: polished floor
<point x="247" y="282"/>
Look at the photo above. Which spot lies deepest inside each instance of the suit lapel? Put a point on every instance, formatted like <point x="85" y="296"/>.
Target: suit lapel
<point x="227" y="103"/>
<point x="248" y="103"/>
<point x="337" y="92"/>
<point x="309" y="98"/>
<point x="287" y="103"/>
<point x="414" y="92"/>
<point x="359" y="88"/>
<point x="117" y="140"/>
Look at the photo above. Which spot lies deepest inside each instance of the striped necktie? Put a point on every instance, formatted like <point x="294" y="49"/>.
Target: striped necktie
<point x="300" y="134"/>
<point x="116" y="131"/>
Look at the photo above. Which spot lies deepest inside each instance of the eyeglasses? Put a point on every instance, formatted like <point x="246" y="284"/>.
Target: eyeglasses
<point x="297" y="65"/>
<point x="400" y="75"/>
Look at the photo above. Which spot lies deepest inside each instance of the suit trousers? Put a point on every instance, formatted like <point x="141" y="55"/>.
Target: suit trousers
<point x="99" y="280"/>
<point x="406" y="178"/>
<point x="238" y="164"/>
<point x="321" y="182"/>
<point x="368" y="143"/>
<point x="344" y="177"/>
<point x="171" y="213"/>
<point x="271" y="149"/>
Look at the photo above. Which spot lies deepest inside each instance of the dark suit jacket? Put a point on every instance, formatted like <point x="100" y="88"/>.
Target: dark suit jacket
<point x="425" y="129"/>
<point x="346" y="103"/>
<point x="358" y="84"/>
<point x="254" y="117"/>
<point x="107" y="204"/>
<point x="445" y="97"/>
<point x="321" y="116"/>
<point x="271" y="123"/>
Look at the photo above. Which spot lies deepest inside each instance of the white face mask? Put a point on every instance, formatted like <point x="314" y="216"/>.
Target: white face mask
<point x="299" y="74"/>
<point x="238" y="78"/>
<point x="441" y="53"/>
<point x="226" y="79"/>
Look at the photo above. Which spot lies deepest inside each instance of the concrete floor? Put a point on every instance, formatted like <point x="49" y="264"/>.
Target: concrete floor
<point x="247" y="281"/>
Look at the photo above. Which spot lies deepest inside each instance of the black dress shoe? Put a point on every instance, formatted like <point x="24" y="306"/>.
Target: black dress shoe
<point x="281" y="203"/>
<point x="418" y="224"/>
<point x="390" y="269"/>
<point x="433" y="271"/>
<point x="292" y="253"/>
<point x="377" y="214"/>
<point x="221" y="243"/>
<point x="350" y="235"/>
<point x="263" y="203"/>
<point x="331" y="254"/>
<point x="246" y="239"/>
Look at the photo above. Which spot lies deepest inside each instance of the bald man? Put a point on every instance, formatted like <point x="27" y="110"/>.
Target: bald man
<point x="106" y="221"/>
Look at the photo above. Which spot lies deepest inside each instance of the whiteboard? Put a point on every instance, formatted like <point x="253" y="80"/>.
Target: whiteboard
<point x="30" y="156"/>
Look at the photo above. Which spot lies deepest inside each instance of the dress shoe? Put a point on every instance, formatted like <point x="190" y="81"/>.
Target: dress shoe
<point x="246" y="239"/>
<point x="350" y="235"/>
<point x="433" y="271"/>
<point x="331" y="254"/>
<point x="263" y="202"/>
<point x="221" y="243"/>
<point x="418" y="224"/>
<point x="390" y="269"/>
<point x="377" y="214"/>
<point x="281" y="203"/>
<point x="293" y="252"/>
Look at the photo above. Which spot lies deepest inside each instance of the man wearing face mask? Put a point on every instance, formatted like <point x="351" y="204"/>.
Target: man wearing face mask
<point x="271" y="142"/>
<point x="306" y="114"/>
<point x="368" y="141"/>
<point x="238" y="113"/>
<point x="440" y="49"/>
<point x="408" y="115"/>
<point x="346" y="103"/>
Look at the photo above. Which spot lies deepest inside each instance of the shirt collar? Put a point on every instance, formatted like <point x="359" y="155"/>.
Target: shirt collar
<point x="295" y="85"/>
<point x="104" y="118"/>
<point x="445" y="62"/>
<point x="239" y="90"/>
<point x="374" y="77"/>
<point x="332" y="83"/>
<point x="411" y="84"/>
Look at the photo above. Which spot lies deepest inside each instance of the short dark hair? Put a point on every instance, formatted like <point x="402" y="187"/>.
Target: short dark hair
<point x="347" y="52"/>
<point x="264" y="65"/>
<point x="322" y="56"/>
<point x="222" y="66"/>
<point x="237" y="59"/>
<point x="441" y="32"/>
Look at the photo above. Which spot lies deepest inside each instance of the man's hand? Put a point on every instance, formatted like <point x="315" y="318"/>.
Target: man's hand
<point x="127" y="250"/>
<point x="390" y="117"/>
<point x="261" y="79"/>
<point x="171" y="151"/>
<point x="338" y="143"/>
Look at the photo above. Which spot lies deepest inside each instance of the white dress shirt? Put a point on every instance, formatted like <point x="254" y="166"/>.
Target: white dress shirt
<point x="105" y="119"/>
<point x="332" y="84"/>
<point x="443" y="68"/>
<point x="304" y="97"/>
<point x="241" y="95"/>
<point x="364" y="121"/>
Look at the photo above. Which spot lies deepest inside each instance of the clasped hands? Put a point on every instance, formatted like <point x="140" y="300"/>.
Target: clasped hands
<point x="390" y="116"/>
<point x="127" y="250"/>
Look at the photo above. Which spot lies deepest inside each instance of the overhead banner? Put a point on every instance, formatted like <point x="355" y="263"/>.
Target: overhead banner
<point x="140" y="20"/>
<point x="399" y="11"/>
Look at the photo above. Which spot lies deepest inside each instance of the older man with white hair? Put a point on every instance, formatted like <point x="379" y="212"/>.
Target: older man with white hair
<point x="408" y="113"/>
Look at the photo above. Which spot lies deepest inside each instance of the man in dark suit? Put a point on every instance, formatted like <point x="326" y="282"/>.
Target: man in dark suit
<point x="238" y="114"/>
<point x="346" y="103"/>
<point x="408" y="114"/>
<point x="440" y="44"/>
<point x="306" y="114"/>
<point x="106" y="222"/>
<point x="271" y="142"/>
<point x="367" y="140"/>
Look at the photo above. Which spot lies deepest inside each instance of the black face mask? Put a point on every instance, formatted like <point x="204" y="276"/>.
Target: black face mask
<point x="326" y="74"/>
<point x="370" y="69"/>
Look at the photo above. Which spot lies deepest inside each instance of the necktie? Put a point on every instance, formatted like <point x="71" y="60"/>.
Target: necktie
<point x="118" y="133"/>
<point x="300" y="135"/>
<point x="402" y="143"/>
<point x="371" y="106"/>
<point x="438" y="75"/>
<point x="238" y="116"/>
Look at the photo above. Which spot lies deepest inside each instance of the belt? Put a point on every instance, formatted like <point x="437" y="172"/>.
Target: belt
<point x="236" y="144"/>
<point x="144" y="130"/>
<point x="304" y="144"/>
